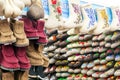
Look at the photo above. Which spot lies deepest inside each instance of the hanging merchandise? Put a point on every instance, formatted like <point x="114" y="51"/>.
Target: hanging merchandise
<point x="72" y="13"/>
<point x="53" y="20"/>
<point x="116" y="19"/>
<point x="19" y="4"/>
<point x="89" y="51"/>
<point x="102" y="21"/>
<point x="13" y="8"/>
<point x="6" y="33"/>
<point x="18" y="31"/>
<point x="2" y="7"/>
<point x="15" y="11"/>
<point x="89" y="21"/>
<point x="42" y="36"/>
<point x="27" y="2"/>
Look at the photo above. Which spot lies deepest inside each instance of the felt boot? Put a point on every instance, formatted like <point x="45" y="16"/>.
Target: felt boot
<point x="22" y="57"/>
<point x="18" y="30"/>
<point x="30" y="28"/>
<point x="74" y="19"/>
<point x="6" y="33"/>
<point x="115" y="25"/>
<point x="53" y="21"/>
<point x="21" y="75"/>
<point x="42" y="35"/>
<point x="7" y="76"/>
<point x="46" y="60"/>
<point x="1" y="58"/>
<point x="34" y="57"/>
<point x="102" y="21"/>
<point x="10" y="61"/>
<point x="22" y="42"/>
<point x="89" y="24"/>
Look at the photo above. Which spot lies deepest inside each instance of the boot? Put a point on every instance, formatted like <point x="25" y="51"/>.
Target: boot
<point x="33" y="55"/>
<point x="46" y="60"/>
<point x="74" y="18"/>
<point x="1" y="58"/>
<point x="102" y="21"/>
<point x="115" y="24"/>
<point x="22" y="57"/>
<point x="30" y="31"/>
<point x="9" y="62"/>
<point x="6" y="33"/>
<point x="21" y="75"/>
<point x="53" y="22"/>
<point x="22" y="42"/>
<point x="88" y="24"/>
<point x="18" y="29"/>
<point x="42" y="35"/>
<point x="7" y="76"/>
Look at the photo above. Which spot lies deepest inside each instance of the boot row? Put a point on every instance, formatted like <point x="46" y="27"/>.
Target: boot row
<point x="18" y="32"/>
<point x="34" y="30"/>
<point x="13" y="32"/>
<point x="13" y="58"/>
<point x="36" y="56"/>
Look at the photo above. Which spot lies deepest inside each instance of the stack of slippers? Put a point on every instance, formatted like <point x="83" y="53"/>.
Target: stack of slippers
<point x="113" y="59"/>
<point x="87" y="56"/>
<point x="49" y="51"/>
<point x="99" y="55"/>
<point x="107" y="65"/>
<point x="83" y="56"/>
<point x="61" y="57"/>
<point x="73" y="55"/>
<point x="79" y="53"/>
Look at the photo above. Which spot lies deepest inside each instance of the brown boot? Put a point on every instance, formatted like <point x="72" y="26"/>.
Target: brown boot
<point x="21" y="75"/>
<point x="46" y="60"/>
<point x="6" y="33"/>
<point x="7" y="76"/>
<point x="33" y="55"/>
<point x="18" y="30"/>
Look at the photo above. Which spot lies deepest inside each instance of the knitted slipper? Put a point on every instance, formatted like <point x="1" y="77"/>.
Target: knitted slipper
<point x="90" y="72"/>
<point x="115" y="44"/>
<point x="101" y="37"/>
<point x="110" y="64"/>
<point x="117" y="72"/>
<point x="103" y="75"/>
<point x="97" y="61"/>
<point x="115" y="36"/>
<point x="108" y="45"/>
<point x="108" y="37"/>
<point x="110" y="72"/>
<point x="103" y="61"/>
<point x="102" y="43"/>
<point x="103" y="68"/>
